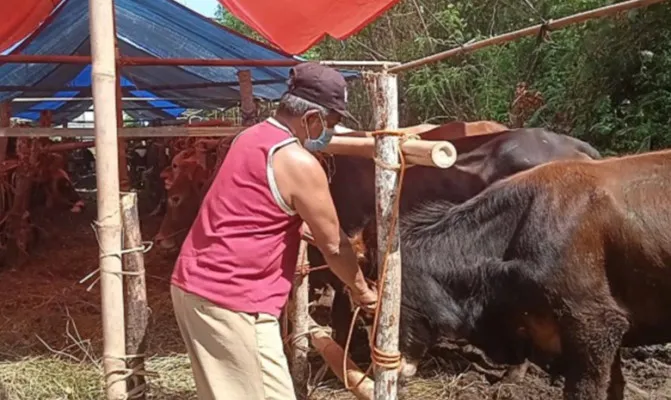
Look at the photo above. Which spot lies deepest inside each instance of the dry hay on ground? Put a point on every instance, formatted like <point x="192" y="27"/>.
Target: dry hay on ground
<point x="51" y="341"/>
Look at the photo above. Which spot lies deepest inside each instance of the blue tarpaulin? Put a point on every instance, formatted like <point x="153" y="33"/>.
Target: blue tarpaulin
<point x="145" y="28"/>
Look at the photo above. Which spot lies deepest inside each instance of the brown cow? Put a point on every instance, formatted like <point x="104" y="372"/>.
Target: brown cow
<point x="53" y="184"/>
<point x="187" y="180"/>
<point x="563" y="264"/>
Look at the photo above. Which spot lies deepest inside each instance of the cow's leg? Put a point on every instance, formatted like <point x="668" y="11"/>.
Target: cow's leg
<point x="50" y="198"/>
<point x="593" y="337"/>
<point x="341" y="316"/>
<point x="515" y="373"/>
<point x="617" y="383"/>
<point x="415" y="339"/>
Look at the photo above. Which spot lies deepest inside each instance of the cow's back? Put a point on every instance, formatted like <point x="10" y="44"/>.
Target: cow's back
<point x="481" y="161"/>
<point x="608" y="220"/>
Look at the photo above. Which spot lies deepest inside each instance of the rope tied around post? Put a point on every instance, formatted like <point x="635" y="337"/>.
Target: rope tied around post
<point x="128" y="372"/>
<point x="380" y="358"/>
<point x="146" y="247"/>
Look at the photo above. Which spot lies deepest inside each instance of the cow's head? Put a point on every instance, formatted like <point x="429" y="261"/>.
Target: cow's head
<point x="56" y="183"/>
<point x="64" y="190"/>
<point x="184" y="181"/>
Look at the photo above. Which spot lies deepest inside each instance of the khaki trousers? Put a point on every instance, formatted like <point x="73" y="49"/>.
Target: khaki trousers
<point x="234" y="356"/>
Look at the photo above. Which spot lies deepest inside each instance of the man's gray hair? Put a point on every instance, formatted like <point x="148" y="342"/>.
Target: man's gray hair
<point x="296" y="106"/>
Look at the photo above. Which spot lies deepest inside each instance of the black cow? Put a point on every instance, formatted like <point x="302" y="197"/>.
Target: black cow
<point x="481" y="161"/>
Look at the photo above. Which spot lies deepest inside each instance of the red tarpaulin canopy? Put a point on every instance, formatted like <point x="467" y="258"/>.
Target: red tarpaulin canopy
<point x="296" y="25"/>
<point x="292" y="25"/>
<point x="21" y="17"/>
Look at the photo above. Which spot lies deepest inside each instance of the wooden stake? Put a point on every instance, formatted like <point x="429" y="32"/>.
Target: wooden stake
<point x="46" y="118"/>
<point x="300" y="367"/>
<point x="247" y="106"/>
<point x="101" y="25"/>
<point x="333" y="354"/>
<point x="137" y="310"/>
<point x="5" y="117"/>
<point x="383" y="91"/>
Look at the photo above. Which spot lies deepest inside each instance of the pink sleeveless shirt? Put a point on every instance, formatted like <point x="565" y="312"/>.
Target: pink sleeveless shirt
<point x="241" y="250"/>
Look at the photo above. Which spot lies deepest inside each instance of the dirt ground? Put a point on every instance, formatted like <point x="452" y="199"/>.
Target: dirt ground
<point x="47" y="313"/>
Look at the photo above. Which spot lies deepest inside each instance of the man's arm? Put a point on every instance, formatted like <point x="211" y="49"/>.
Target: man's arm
<point x="303" y="184"/>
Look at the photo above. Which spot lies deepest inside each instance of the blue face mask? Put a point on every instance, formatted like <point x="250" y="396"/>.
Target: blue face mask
<point x="314" y="145"/>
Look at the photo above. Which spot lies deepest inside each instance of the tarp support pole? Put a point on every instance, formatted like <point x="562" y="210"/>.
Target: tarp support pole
<point x="5" y="120"/>
<point x="382" y="88"/>
<point x="247" y="106"/>
<point x="108" y="225"/>
<point x="46" y="118"/>
<point x="203" y="62"/>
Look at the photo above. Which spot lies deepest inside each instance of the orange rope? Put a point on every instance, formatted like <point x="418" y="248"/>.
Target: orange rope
<point x="379" y="357"/>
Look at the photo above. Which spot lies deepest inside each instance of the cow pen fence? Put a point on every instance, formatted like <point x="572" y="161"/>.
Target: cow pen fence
<point x="125" y="322"/>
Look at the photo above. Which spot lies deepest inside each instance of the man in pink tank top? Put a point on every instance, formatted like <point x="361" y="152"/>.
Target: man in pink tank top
<point x="236" y="266"/>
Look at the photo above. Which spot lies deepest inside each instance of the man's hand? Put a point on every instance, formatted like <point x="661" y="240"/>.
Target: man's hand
<point x="365" y="298"/>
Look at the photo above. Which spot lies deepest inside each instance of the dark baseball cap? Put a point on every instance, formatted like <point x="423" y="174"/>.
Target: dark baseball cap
<point x="321" y="85"/>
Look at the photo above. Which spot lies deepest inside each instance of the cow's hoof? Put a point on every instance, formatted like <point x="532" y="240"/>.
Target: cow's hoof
<point x="408" y="368"/>
<point x="515" y="373"/>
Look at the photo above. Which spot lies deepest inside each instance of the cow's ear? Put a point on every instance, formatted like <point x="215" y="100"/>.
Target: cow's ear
<point x="166" y="173"/>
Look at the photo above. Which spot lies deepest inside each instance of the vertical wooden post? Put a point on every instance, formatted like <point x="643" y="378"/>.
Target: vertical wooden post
<point x="101" y="25"/>
<point x="137" y="311"/>
<point x="247" y="105"/>
<point x="383" y="89"/>
<point x="5" y="117"/>
<point x="46" y="119"/>
<point x="300" y="316"/>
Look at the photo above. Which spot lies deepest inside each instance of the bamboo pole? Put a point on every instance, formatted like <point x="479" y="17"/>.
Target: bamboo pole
<point x="422" y="152"/>
<point x="5" y="119"/>
<point x="146" y="61"/>
<point x="137" y="310"/>
<point x="359" y="64"/>
<point x="383" y="91"/>
<point x="101" y="25"/>
<point x="300" y="368"/>
<point x="530" y="31"/>
<point x="215" y="62"/>
<point x="146" y="132"/>
<point x="86" y="90"/>
<point x="439" y="154"/>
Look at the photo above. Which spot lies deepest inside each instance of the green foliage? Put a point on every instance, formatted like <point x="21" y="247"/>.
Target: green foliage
<point x="607" y="81"/>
